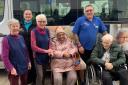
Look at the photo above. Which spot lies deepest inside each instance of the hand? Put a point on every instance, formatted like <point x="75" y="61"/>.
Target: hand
<point x="13" y="72"/>
<point x="50" y="50"/>
<point x="29" y="66"/>
<point x="66" y="54"/>
<point x="81" y="50"/>
<point x="108" y="66"/>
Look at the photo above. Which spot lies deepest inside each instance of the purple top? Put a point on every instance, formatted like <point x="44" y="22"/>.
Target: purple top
<point x="5" y="54"/>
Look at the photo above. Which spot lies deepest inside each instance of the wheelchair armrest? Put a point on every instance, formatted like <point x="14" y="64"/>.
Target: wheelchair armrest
<point x="124" y="65"/>
<point x="100" y="67"/>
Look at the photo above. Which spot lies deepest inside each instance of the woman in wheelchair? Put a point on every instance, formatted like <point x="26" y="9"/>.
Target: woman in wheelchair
<point x="110" y="56"/>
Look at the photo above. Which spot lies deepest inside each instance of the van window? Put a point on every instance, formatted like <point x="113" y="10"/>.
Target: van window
<point x="1" y="9"/>
<point x="58" y="12"/>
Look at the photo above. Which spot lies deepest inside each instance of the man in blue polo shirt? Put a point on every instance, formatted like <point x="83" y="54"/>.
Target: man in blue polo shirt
<point x="85" y="31"/>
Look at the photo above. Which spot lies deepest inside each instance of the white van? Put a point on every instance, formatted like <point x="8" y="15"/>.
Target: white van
<point x="65" y="12"/>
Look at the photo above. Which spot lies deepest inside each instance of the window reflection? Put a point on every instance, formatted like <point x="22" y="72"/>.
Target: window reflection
<point x="65" y="12"/>
<point x="1" y="9"/>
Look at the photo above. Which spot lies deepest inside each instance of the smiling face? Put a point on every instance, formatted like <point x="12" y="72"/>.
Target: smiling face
<point x="14" y="28"/>
<point x="27" y="15"/>
<point x="61" y="36"/>
<point x="89" y="12"/>
<point x="41" y="21"/>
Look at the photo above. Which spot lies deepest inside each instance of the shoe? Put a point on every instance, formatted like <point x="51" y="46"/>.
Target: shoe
<point x="82" y="83"/>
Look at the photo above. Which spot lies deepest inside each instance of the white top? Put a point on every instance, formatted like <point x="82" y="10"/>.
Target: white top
<point x="106" y="56"/>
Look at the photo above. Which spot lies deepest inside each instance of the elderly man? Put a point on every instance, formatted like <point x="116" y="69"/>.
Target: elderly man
<point x="122" y="36"/>
<point x="110" y="56"/>
<point x="122" y="39"/>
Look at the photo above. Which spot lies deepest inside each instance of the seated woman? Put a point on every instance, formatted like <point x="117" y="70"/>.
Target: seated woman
<point x="110" y="56"/>
<point x="62" y="58"/>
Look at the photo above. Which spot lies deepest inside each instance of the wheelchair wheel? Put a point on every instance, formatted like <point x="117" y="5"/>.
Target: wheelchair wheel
<point x="91" y="78"/>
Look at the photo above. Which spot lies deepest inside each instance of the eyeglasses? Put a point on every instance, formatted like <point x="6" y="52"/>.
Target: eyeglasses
<point x="90" y="10"/>
<point x="41" y="21"/>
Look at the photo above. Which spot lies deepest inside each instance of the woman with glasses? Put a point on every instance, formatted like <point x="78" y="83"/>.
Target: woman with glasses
<point x="40" y="46"/>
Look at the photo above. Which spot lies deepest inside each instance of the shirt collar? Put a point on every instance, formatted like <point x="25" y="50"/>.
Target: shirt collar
<point x="27" y="22"/>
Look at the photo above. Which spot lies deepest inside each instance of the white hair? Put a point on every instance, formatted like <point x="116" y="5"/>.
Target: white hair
<point x="13" y="21"/>
<point x="120" y="32"/>
<point x="41" y="17"/>
<point x="125" y="46"/>
<point x="107" y="37"/>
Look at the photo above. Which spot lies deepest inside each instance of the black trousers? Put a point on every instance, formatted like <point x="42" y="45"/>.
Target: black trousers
<point x="121" y="75"/>
<point x="86" y="56"/>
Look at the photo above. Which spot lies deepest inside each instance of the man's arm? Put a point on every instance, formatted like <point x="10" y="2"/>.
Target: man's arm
<point x="78" y="44"/>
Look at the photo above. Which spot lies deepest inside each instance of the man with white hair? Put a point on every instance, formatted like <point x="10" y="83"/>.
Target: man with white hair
<point x="110" y="56"/>
<point x="122" y="39"/>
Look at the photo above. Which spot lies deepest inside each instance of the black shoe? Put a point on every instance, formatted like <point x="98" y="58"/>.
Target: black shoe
<point x="82" y="83"/>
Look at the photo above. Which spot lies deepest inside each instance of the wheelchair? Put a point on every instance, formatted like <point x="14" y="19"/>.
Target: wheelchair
<point x="91" y="76"/>
<point x="94" y="75"/>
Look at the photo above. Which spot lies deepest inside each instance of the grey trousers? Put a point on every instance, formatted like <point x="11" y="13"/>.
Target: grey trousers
<point x="71" y="78"/>
<point x="39" y="71"/>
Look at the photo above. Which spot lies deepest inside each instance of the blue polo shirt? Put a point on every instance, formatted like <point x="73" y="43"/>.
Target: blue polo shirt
<point x="87" y="31"/>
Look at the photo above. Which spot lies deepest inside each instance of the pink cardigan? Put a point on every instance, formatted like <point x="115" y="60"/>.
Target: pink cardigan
<point x="58" y="63"/>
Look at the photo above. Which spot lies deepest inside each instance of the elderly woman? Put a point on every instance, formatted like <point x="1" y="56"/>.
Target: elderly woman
<point x="62" y="58"/>
<point x="15" y="55"/>
<point x="40" y="47"/>
<point x="122" y="39"/>
<point x="110" y="56"/>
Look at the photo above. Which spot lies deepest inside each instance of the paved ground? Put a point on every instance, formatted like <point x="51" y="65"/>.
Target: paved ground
<point x="4" y="79"/>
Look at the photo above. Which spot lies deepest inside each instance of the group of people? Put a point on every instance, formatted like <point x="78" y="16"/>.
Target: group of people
<point x="28" y="50"/>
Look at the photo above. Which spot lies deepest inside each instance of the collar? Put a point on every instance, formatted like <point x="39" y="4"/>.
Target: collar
<point x="27" y="22"/>
<point x="41" y="31"/>
<point x="87" y="18"/>
<point x="15" y="36"/>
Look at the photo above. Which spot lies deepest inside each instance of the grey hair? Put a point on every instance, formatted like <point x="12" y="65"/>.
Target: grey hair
<point x="125" y="46"/>
<point x="41" y="16"/>
<point x="120" y="32"/>
<point x="108" y="37"/>
<point x="13" y="21"/>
